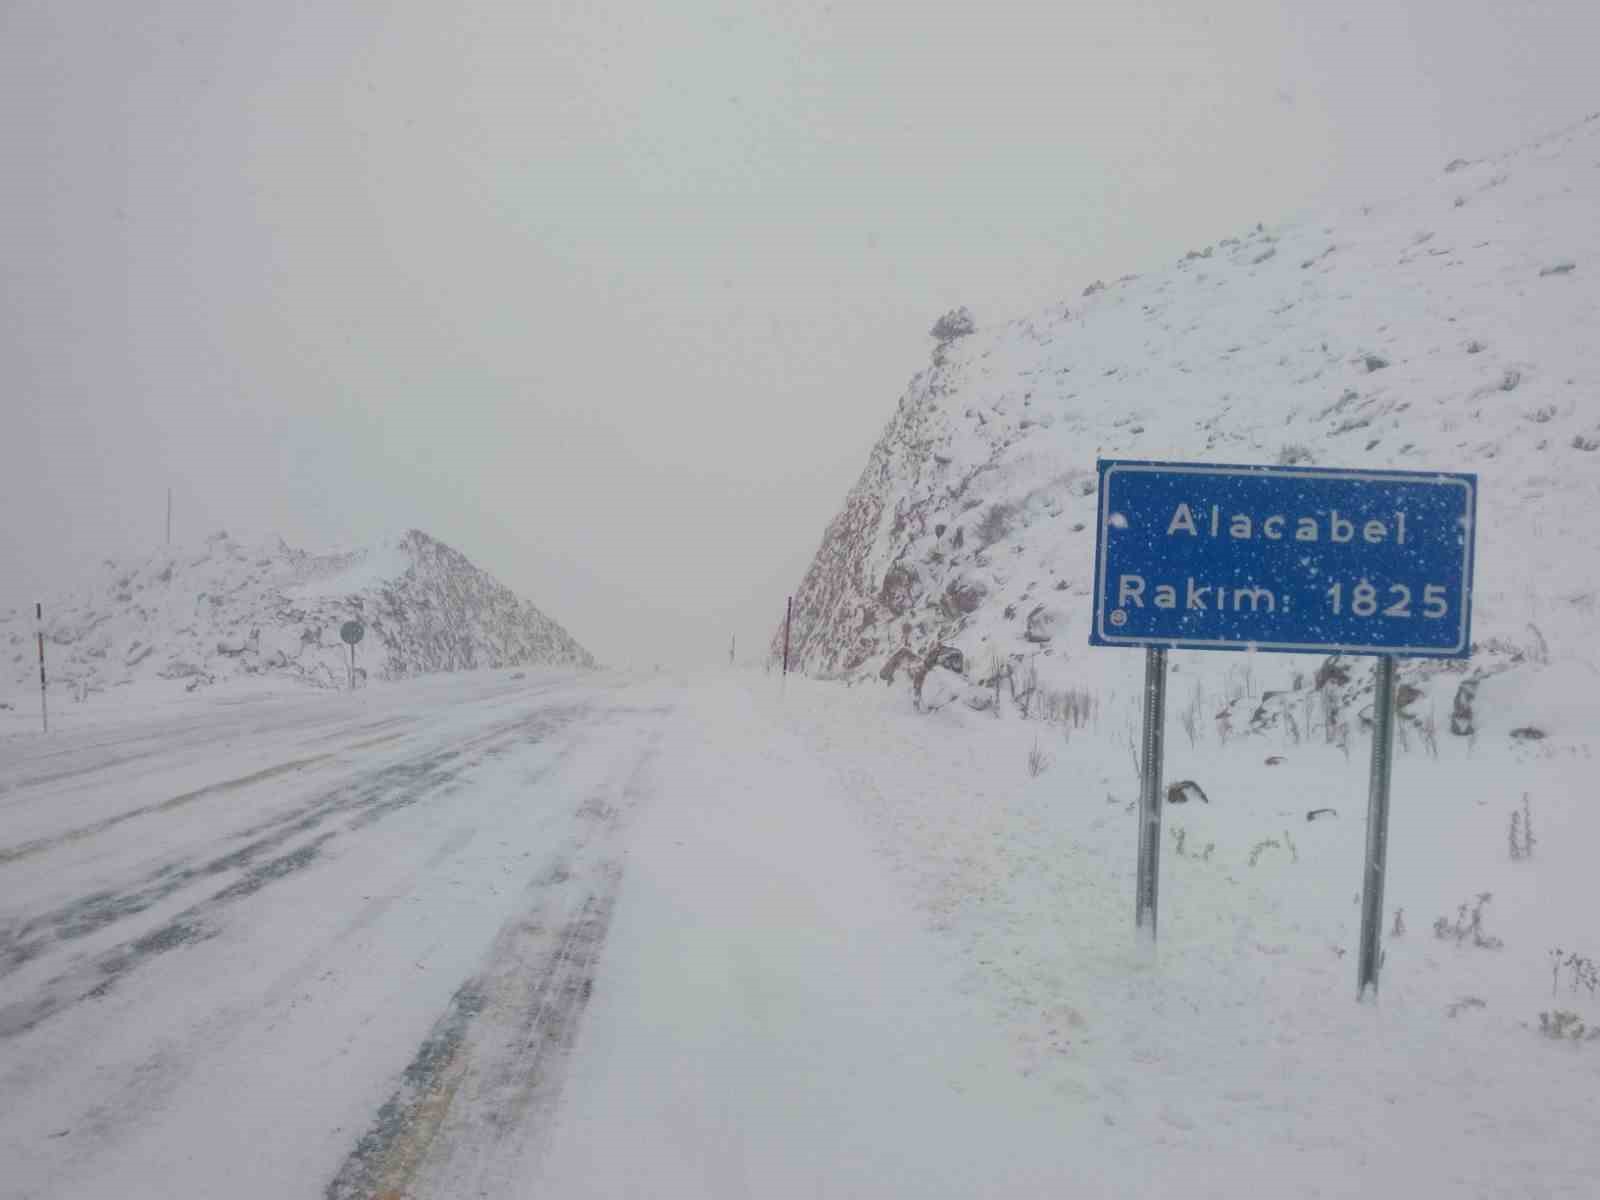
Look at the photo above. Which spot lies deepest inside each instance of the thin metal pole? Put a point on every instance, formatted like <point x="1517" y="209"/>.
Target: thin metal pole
<point x="1377" y="828"/>
<point x="788" y="616"/>
<point x="1155" y="718"/>
<point x="169" y="516"/>
<point x="44" y="702"/>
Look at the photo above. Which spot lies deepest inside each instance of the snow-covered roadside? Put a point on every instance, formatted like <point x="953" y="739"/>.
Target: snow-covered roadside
<point x="771" y="1017"/>
<point x="1237" y="1056"/>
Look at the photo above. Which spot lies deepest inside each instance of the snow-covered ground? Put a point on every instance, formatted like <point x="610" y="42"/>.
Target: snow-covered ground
<point x="1237" y="1059"/>
<point x="488" y="935"/>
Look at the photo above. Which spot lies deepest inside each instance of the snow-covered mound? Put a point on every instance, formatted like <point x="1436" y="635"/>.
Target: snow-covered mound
<point x="227" y="610"/>
<point x="1455" y="330"/>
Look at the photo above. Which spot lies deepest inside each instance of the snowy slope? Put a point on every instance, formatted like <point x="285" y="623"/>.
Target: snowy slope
<point x="226" y="610"/>
<point x="1453" y="330"/>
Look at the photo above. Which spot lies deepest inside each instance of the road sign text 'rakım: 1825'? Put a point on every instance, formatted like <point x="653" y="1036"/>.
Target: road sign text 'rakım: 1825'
<point x="1294" y="559"/>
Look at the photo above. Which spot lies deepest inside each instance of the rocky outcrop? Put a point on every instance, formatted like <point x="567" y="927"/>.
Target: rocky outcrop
<point x="972" y="524"/>
<point x="230" y="610"/>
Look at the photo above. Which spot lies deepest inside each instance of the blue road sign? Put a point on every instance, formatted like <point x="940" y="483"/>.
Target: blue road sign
<point x="1294" y="559"/>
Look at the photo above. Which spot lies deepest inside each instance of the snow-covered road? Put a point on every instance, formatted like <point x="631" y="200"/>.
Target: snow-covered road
<point x="347" y="946"/>
<point x="296" y="946"/>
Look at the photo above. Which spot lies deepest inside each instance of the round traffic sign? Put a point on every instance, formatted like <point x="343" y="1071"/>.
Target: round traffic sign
<point x="352" y="632"/>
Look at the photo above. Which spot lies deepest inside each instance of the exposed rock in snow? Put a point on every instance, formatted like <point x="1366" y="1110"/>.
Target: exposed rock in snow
<point x="1042" y="622"/>
<point x="232" y="610"/>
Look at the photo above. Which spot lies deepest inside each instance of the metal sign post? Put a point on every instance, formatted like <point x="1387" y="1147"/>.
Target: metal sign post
<point x="44" y="701"/>
<point x="1377" y="828"/>
<point x="1288" y="559"/>
<point x="1155" y="721"/>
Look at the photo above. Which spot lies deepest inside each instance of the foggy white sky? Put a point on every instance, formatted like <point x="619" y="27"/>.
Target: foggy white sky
<point x="615" y="297"/>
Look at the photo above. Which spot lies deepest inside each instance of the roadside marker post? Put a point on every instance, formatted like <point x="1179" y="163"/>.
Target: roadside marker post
<point x="1287" y="560"/>
<point x="788" y="617"/>
<point x="44" y="700"/>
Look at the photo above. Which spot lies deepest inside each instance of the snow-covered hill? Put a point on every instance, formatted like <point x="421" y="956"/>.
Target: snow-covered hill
<point x="1454" y="330"/>
<point x="225" y="610"/>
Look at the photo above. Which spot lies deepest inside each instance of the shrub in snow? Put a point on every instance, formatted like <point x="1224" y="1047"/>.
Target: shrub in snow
<point x="1580" y="969"/>
<point x="1024" y="690"/>
<point x="1038" y="761"/>
<point x="1180" y="837"/>
<point x="1189" y="718"/>
<point x="1072" y="707"/>
<point x="963" y="597"/>
<point x="1428" y="728"/>
<point x="1260" y="847"/>
<point x="1468" y="924"/>
<point x="1521" y="834"/>
<point x="996" y="523"/>
<point x="1461" y="714"/>
<point x="957" y="323"/>
<point x="1564" y="1026"/>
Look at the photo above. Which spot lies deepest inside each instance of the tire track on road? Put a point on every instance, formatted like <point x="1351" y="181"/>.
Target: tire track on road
<point x="363" y="802"/>
<point x="460" y="1116"/>
<point x="12" y="854"/>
